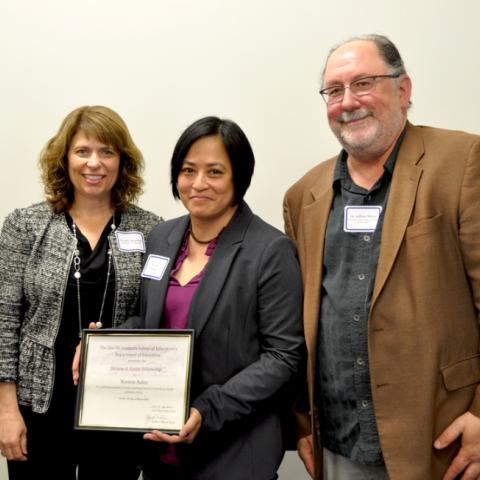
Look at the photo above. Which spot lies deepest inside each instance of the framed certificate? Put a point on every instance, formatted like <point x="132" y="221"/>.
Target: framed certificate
<point x="134" y="380"/>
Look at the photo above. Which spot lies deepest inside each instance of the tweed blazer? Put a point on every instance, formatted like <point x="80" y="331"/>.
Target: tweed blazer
<point x="246" y="313"/>
<point x="36" y="251"/>
<point x="423" y="331"/>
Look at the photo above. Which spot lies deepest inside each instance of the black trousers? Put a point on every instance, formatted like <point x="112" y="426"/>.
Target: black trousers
<point x="162" y="471"/>
<point x="165" y="472"/>
<point x="55" y="450"/>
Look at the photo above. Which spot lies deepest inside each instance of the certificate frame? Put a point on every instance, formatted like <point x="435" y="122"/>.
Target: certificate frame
<point x="134" y="380"/>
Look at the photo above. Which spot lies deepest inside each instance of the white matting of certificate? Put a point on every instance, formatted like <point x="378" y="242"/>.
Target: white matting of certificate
<point x="134" y="380"/>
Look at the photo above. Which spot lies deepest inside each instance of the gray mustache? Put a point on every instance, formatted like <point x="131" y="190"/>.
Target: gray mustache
<point x="345" y="117"/>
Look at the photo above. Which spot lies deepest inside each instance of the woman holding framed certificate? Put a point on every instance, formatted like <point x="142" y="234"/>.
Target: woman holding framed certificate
<point x="232" y="278"/>
<point x="65" y="263"/>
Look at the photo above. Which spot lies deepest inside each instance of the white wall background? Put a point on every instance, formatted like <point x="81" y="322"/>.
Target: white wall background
<point x="161" y="64"/>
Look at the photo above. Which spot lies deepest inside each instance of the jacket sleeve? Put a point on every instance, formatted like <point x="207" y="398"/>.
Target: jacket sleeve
<point x="469" y="234"/>
<point x="301" y="410"/>
<point x="279" y="313"/>
<point x="15" y="249"/>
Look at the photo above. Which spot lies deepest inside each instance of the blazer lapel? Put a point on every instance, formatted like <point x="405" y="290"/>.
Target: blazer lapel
<point x="218" y="269"/>
<point x="401" y="201"/>
<point x="157" y="289"/>
<point x="315" y="224"/>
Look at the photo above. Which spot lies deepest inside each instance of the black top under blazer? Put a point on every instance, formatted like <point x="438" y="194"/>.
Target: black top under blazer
<point x="249" y="346"/>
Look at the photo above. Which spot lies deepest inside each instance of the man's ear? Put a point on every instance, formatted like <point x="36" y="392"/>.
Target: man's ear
<point x="405" y="87"/>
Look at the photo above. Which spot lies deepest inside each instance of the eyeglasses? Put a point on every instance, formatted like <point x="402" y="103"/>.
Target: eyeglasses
<point x="362" y="86"/>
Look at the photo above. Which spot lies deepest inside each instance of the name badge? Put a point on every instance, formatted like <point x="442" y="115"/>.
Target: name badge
<point x="155" y="267"/>
<point x="361" y="218"/>
<point x="131" y="241"/>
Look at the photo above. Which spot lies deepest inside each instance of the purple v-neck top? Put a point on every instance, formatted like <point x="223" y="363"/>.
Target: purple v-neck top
<point x="176" y="308"/>
<point x="179" y="297"/>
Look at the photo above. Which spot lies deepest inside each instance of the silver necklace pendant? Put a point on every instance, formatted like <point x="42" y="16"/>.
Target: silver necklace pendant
<point x="77" y="275"/>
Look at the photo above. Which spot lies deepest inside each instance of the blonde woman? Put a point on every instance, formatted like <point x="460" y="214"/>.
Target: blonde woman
<point x="63" y="264"/>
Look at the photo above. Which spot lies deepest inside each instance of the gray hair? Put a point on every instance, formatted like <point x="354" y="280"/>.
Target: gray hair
<point x="386" y="48"/>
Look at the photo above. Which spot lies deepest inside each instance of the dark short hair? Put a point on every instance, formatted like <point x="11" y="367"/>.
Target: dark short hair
<point x="106" y="126"/>
<point x="236" y="144"/>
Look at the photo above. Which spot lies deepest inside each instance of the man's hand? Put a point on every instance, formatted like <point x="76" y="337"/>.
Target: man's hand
<point x="305" y="451"/>
<point x="187" y="434"/>
<point x="468" y="458"/>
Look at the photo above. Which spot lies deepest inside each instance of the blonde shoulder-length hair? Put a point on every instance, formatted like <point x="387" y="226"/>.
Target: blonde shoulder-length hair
<point x="106" y="126"/>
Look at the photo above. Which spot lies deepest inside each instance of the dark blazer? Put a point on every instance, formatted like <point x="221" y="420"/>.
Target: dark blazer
<point x="246" y="313"/>
<point x="423" y="333"/>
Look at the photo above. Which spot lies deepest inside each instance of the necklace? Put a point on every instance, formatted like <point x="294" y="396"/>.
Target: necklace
<point x="201" y="242"/>
<point x="78" y="275"/>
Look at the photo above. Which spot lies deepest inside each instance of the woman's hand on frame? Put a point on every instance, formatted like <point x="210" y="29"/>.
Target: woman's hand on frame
<point x="187" y="434"/>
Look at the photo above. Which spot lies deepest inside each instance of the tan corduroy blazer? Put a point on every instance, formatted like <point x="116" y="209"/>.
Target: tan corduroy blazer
<point x="423" y="331"/>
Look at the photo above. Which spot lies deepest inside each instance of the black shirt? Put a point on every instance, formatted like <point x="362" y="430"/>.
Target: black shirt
<point x="93" y="269"/>
<point x="350" y="262"/>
